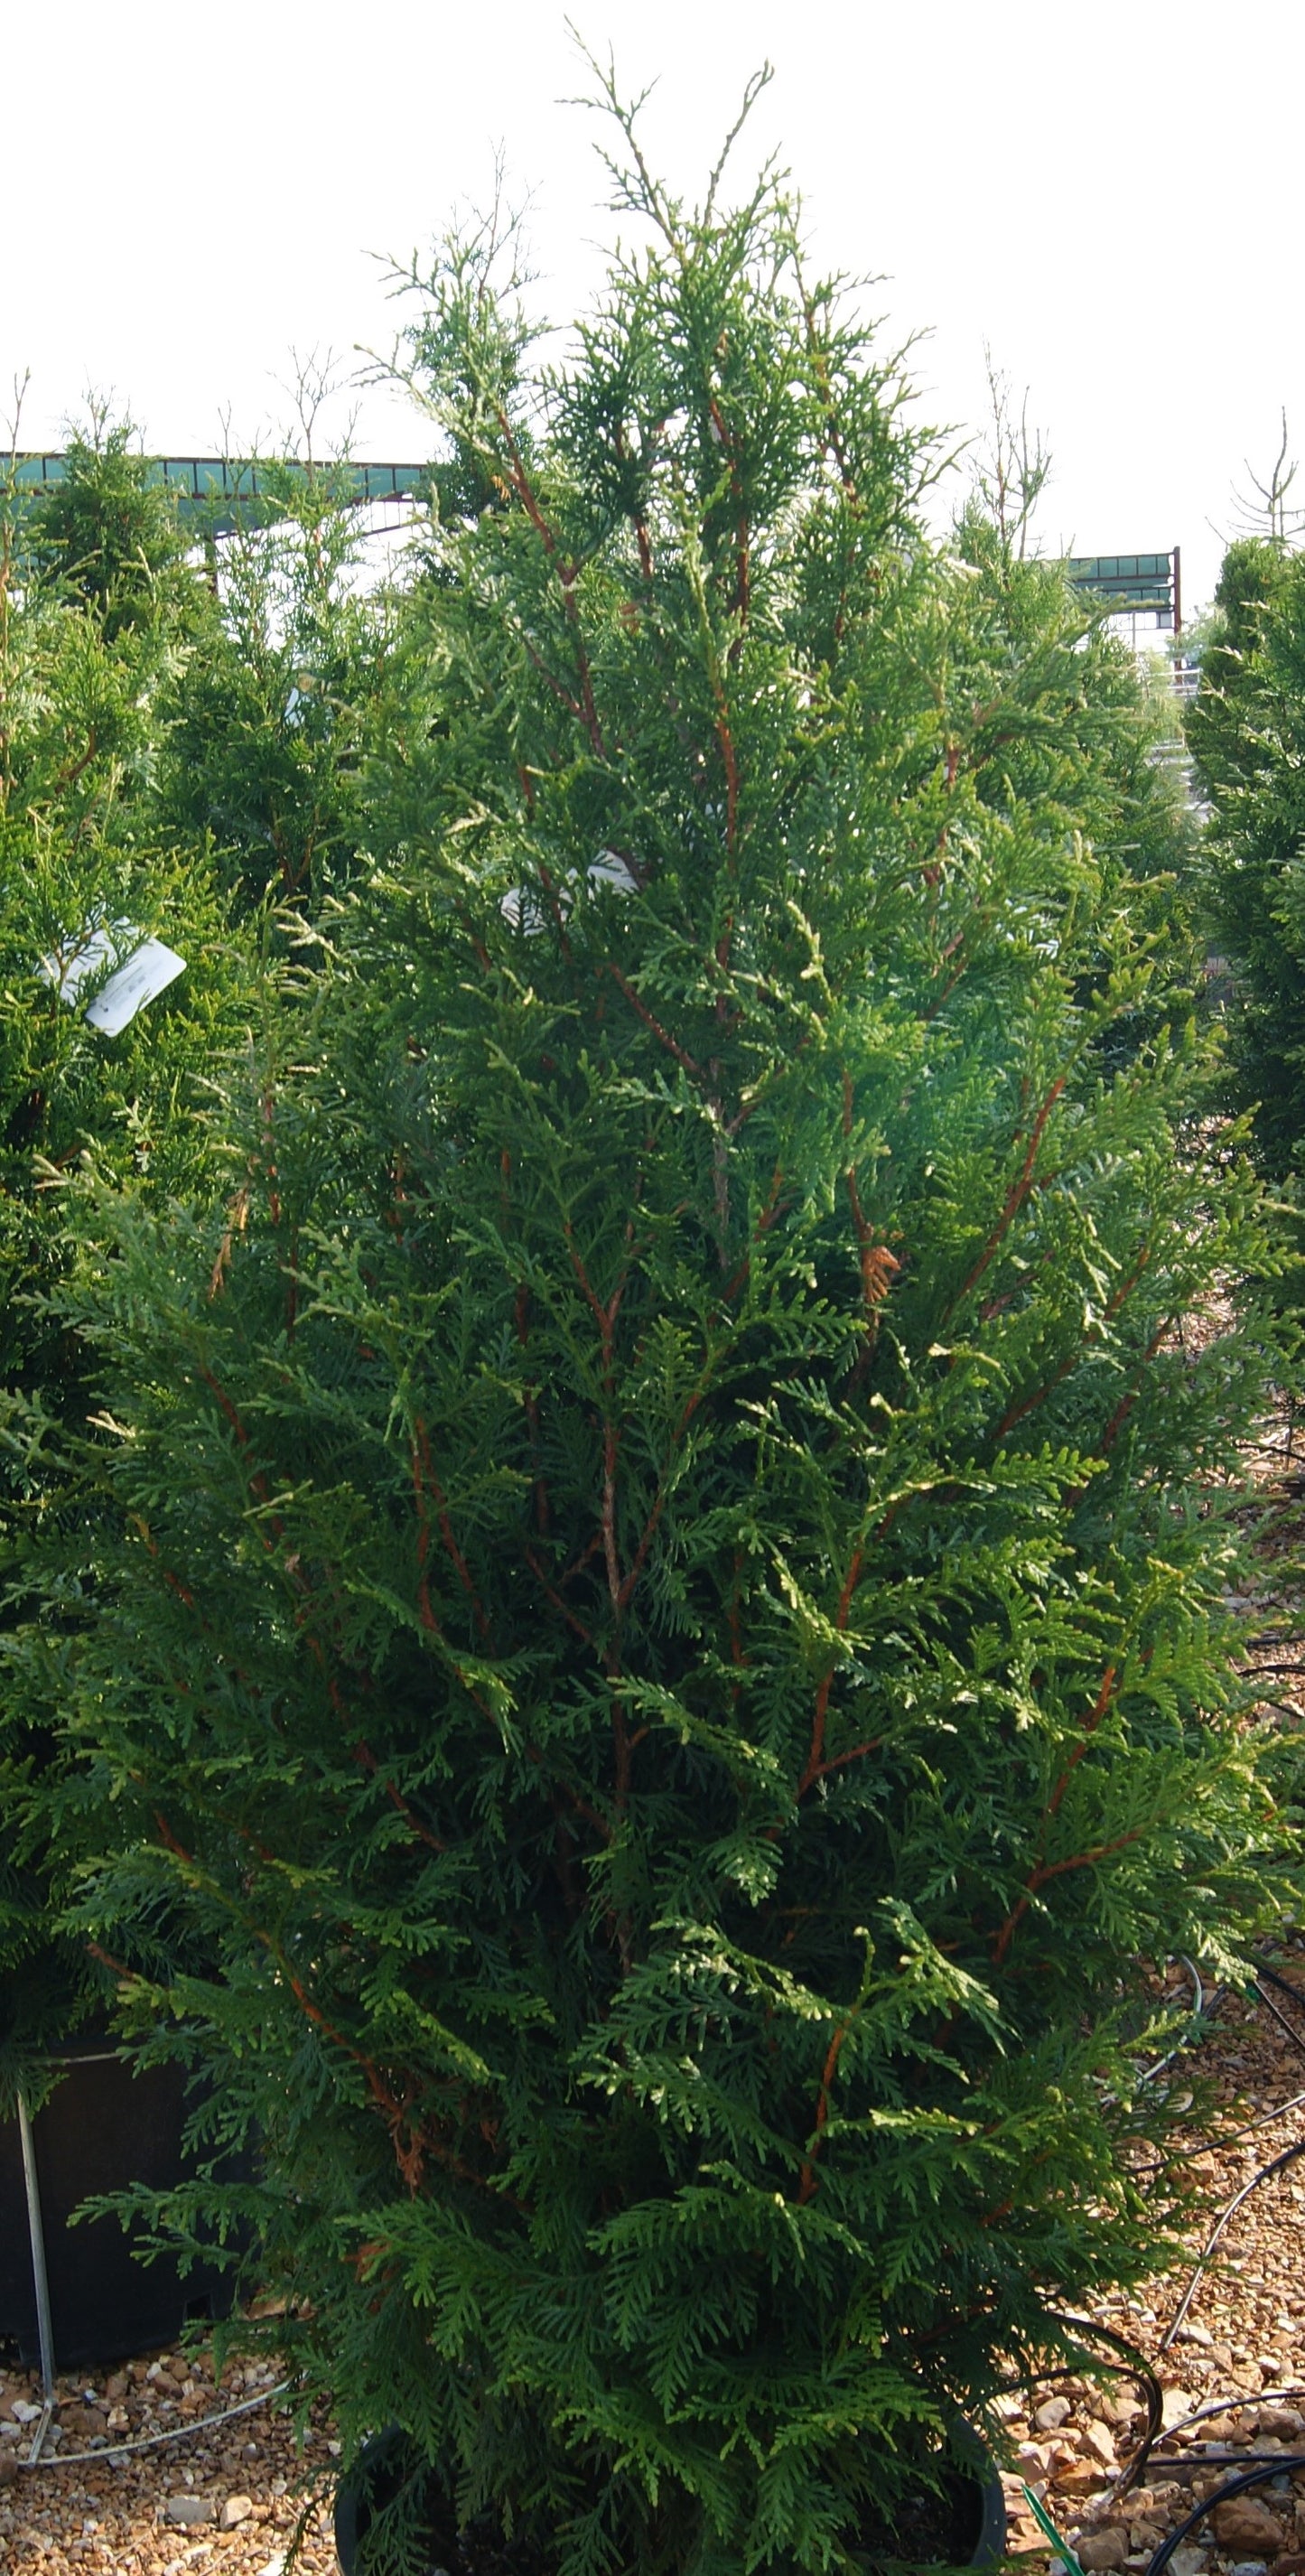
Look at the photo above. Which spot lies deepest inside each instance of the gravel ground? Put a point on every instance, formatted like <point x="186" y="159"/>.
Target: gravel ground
<point x="1240" y="2352"/>
<point x="1237" y="2359"/>
<point x="226" y="2500"/>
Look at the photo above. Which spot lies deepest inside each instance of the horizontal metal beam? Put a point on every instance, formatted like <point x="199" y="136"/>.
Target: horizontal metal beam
<point x="1130" y="581"/>
<point x="217" y="493"/>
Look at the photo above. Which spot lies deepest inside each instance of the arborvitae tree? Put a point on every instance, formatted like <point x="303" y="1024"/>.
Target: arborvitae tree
<point x="107" y="533"/>
<point x="658" y="1593"/>
<point x="91" y="637"/>
<point x="274" y="713"/>
<point x="1062" y="718"/>
<point x="1246" y="729"/>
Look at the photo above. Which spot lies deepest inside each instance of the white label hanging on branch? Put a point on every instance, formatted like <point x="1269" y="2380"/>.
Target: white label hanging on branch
<point x="141" y="971"/>
<point x="524" y="909"/>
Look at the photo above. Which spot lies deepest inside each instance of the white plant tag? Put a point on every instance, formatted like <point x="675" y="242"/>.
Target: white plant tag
<point x="148" y="972"/>
<point x="144" y="972"/>
<point x="522" y="908"/>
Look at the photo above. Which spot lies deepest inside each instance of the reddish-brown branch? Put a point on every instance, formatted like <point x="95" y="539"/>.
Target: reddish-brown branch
<point x="521" y="1314"/>
<point x="1126" y="1403"/>
<point x="672" y="1045"/>
<point x="611" y="1453"/>
<point x="116" y="1967"/>
<point x="170" y="1839"/>
<point x="423" y="1477"/>
<point x="571" y="1617"/>
<point x="1090" y="1725"/>
<point x="173" y="1581"/>
<point x="807" y="2181"/>
<point x="726" y="740"/>
<point x="763" y="1225"/>
<point x="1042" y="1877"/>
<point x="553" y="900"/>
<point x="586" y="712"/>
<point x="551" y="681"/>
<point x="650" y="1525"/>
<point x="75" y="768"/>
<point x="589" y="708"/>
<point x="839" y="1760"/>
<point x="365" y="1757"/>
<point x="1015" y="1197"/>
<point x="275" y="1528"/>
<point x="1029" y="1403"/>
<point x="742" y="551"/>
<point x="815" y="1757"/>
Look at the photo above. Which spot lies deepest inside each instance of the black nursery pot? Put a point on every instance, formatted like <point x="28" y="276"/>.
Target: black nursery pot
<point x="965" y="2524"/>
<point x="102" y="2130"/>
<point x="963" y="2527"/>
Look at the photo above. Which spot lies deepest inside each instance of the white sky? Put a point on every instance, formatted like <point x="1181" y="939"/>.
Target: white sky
<point x="1109" y="192"/>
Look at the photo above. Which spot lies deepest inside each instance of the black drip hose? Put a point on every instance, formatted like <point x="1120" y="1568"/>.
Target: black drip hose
<point x="1269" y="1976"/>
<point x="1277" y="2165"/>
<point x="1259" y="2476"/>
<point x="1282" y="2462"/>
<point x="1134" y="2361"/>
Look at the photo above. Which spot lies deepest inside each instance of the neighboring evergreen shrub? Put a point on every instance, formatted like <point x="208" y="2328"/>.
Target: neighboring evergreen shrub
<point x="653" y="1588"/>
<point x="97" y="607"/>
<point x="1246" y="729"/>
<point x="273" y="715"/>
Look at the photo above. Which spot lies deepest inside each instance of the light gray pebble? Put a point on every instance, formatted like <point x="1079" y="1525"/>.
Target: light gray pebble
<point x="189" y="2508"/>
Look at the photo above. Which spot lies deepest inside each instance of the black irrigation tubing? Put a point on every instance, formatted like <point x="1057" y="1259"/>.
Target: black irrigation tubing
<point x="1133" y="2364"/>
<point x="1229" y="2405"/>
<point x="1291" y="2033"/>
<point x="1229" y="2137"/>
<point x="1281" y="2465"/>
<point x="1203" y="2010"/>
<point x="1284" y="1985"/>
<point x="1266" y="2173"/>
<point x="1265" y="2466"/>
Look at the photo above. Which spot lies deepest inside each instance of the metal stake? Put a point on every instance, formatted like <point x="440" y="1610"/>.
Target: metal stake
<point x="40" y="2279"/>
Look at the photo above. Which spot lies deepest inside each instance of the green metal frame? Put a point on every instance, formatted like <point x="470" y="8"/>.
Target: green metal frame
<point x="1131" y="581"/>
<point x="217" y="494"/>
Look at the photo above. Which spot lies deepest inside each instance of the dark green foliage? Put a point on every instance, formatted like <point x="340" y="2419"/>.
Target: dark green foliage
<point x="1247" y="732"/>
<point x="274" y="709"/>
<point x="107" y="535"/>
<point x="1059" y="719"/>
<point x="654" y="1598"/>
<point x="92" y="634"/>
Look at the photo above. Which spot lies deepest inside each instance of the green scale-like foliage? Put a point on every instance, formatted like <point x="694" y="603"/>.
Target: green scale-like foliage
<point x="666" y="1633"/>
<point x="1246" y="728"/>
<point x="272" y="715"/>
<point x="97" y="613"/>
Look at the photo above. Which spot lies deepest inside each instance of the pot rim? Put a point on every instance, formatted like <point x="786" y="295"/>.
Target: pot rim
<point x="989" y="2550"/>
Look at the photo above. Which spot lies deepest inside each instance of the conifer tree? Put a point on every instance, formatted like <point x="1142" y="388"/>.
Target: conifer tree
<point x="658" y="1572"/>
<point x="1246" y="729"/>
<point x="274" y="714"/>
<point x="96" y="608"/>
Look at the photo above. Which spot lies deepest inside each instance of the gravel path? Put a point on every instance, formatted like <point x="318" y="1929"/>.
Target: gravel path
<point x="1239" y="2356"/>
<point x="1236" y="2360"/>
<point x="1233" y="2357"/>
<point x="225" y="2500"/>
